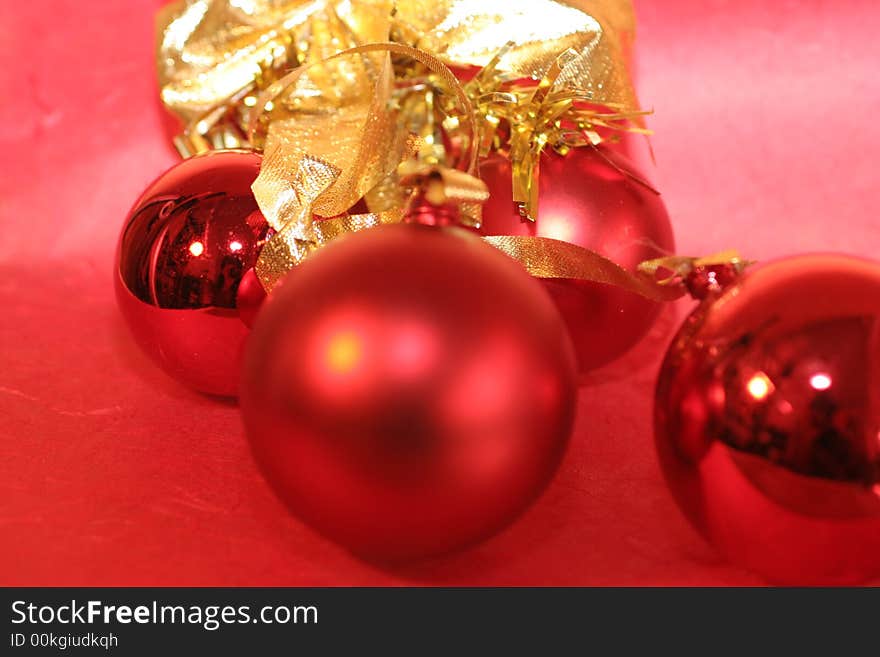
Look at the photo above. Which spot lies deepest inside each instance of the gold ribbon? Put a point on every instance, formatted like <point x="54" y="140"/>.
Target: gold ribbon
<point x="472" y="32"/>
<point x="357" y="122"/>
<point x="215" y="56"/>
<point x="325" y="154"/>
<point x="548" y="258"/>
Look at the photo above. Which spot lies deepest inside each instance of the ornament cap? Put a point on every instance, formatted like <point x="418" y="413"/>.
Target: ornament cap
<point x="427" y="213"/>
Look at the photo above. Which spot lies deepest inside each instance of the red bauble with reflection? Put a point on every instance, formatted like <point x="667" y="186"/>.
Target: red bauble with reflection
<point x="408" y="391"/>
<point x="190" y="239"/>
<point x="587" y="201"/>
<point x="768" y="420"/>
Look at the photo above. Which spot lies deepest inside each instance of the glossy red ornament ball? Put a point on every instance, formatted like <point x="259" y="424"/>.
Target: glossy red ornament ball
<point x="190" y="239"/>
<point x="586" y="201"/>
<point x="768" y="420"/>
<point x="408" y="391"/>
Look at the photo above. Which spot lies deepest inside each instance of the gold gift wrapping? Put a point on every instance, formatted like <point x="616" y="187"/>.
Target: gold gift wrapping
<point x="350" y="101"/>
<point x="212" y="55"/>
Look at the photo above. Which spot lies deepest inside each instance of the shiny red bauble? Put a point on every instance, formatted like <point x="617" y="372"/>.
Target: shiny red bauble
<point x="190" y="239"/>
<point x="408" y="391"/>
<point x="768" y="420"/>
<point x="587" y="201"/>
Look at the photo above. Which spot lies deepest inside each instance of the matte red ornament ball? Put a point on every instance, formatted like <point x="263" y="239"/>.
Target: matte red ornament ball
<point x="408" y="391"/>
<point x="587" y="201"/>
<point x="188" y="243"/>
<point x="767" y="420"/>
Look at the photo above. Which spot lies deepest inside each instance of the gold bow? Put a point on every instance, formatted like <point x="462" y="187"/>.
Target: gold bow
<point x="329" y="154"/>
<point x="353" y="105"/>
<point x="214" y="57"/>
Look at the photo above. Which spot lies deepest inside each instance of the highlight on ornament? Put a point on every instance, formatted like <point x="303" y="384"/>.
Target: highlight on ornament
<point x="402" y="240"/>
<point x="412" y="408"/>
<point x="188" y="243"/>
<point x="768" y="422"/>
<point x="496" y="159"/>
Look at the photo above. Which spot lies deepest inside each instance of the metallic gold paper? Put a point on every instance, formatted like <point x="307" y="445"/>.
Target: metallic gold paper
<point x="344" y="116"/>
<point x="471" y="32"/>
<point x="214" y="56"/>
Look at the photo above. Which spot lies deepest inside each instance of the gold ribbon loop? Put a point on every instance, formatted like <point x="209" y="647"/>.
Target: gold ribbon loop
<point x="324" y="155"/>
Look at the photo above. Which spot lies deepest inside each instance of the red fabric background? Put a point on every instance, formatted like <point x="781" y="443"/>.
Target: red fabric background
<point x="112" y="474"/>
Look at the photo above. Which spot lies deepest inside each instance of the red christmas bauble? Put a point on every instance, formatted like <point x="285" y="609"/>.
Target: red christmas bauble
<point x="408" y="391"/>
<point x="186" y="245"/>
<point x="585" y="200"/>
<point x="768" y="420"/>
